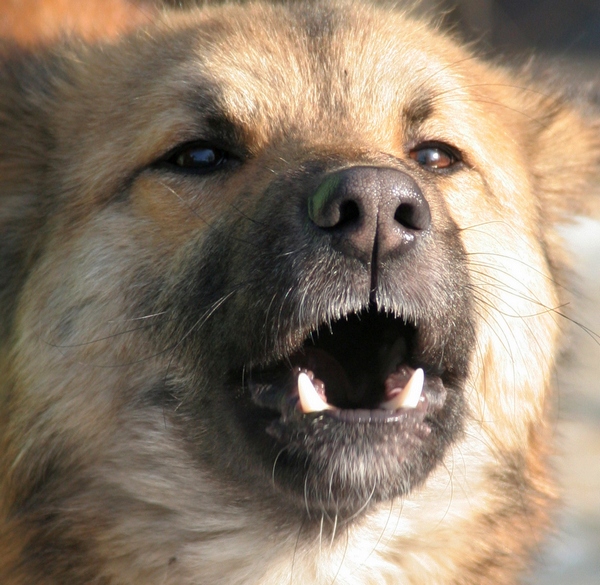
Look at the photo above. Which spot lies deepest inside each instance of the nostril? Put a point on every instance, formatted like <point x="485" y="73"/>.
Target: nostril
<point x="349" y="213"/>
<point x="408" y="216"/>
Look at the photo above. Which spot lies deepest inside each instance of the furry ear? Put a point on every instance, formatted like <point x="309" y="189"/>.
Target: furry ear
<point x="566" y="147"/>
<point x="567" y="166"/>
<point x="25" y="148"/>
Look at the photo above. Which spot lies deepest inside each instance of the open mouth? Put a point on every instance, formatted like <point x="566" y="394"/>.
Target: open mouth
<point x="358" y="369"/>
<point x="356" y="414"/>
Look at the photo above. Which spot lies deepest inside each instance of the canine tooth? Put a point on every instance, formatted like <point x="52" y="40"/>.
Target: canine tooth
<point x="310" y="401"/>
<point x="410" y="394"/>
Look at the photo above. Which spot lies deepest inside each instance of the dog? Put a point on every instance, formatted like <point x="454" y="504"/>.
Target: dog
<point x="281" y="301"/>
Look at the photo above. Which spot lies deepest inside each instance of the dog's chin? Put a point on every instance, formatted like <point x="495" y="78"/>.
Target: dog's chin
<point x="355" y="414"/>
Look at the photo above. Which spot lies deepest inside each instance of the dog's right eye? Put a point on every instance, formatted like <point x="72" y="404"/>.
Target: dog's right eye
<point x="197" y="157"/>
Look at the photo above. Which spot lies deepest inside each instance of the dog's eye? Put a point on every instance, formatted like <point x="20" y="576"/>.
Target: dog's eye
<point x="197" y="157"/>
<point x="435" y="155"/>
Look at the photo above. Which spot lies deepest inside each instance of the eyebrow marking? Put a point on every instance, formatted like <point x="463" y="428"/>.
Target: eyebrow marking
<point x="418" y="110"/>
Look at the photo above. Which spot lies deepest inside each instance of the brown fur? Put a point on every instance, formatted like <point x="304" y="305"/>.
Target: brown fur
<point x="116" y="466"/>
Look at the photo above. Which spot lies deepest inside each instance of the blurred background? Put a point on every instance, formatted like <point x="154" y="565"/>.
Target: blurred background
<point x="567" y="34"/>
<point x="567" y="27"/>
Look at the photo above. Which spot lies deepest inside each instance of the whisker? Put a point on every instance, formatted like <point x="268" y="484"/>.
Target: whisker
<point x="105" y="338"/>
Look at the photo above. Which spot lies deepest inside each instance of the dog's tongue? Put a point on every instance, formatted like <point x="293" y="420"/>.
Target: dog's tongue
<point x="403" y="389"/>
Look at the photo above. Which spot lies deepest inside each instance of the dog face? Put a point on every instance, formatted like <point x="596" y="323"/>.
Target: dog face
<point x="280" y="301"/>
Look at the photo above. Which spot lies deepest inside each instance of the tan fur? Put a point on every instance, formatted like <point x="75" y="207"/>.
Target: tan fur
<point x="87" y="228"/>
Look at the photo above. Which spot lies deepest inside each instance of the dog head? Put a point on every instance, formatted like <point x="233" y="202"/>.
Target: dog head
<point x="298" y="263"/>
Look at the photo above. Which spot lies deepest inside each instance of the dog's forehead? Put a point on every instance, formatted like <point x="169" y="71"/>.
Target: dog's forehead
<point x="325" y="69"/>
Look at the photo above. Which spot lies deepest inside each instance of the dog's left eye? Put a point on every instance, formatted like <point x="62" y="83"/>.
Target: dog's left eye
<point x="435" y="156"/>
<point x="197" y="157"/>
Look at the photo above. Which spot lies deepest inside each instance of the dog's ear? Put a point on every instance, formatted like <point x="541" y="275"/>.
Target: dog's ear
<point x="26" y="146"/>
<point x="565" y="147"/>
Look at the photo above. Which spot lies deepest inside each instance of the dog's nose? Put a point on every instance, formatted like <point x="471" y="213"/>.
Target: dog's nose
<point x="370" y="209"/>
